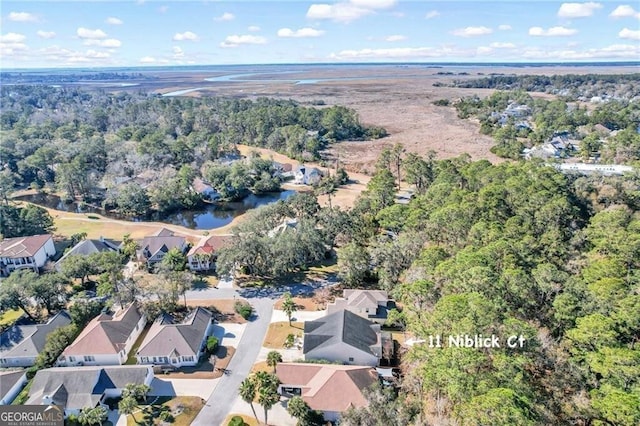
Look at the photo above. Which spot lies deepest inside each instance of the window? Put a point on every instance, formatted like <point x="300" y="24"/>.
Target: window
<point x="350" y="359"/>
<point x="187" y="358"/>
<point x="89" y="358"/>
<point x="71" y="359"/>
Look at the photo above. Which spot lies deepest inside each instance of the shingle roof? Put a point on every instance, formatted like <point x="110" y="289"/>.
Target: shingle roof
<point x="164" y="243"/>
<point x="105" y="334"/>
<point x="166" y="338"/>
<point x="85" y="248"/>
<point x="8" y="379"/>
<point x="208" y="245"/>
<point x="22" y="246"/>
<point x="342" y="326"/>
<point x="79" y="387"/>
<point x="328" y="387"/>
<point x="25" y="339"/>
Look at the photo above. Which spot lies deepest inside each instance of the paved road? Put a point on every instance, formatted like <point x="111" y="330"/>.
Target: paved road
<point x="226" y="391"/>
<point x="224" y="395"/>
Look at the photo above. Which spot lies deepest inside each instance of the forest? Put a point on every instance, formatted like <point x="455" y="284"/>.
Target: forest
<point x="121" y="147"/>
<point x="548" y="117"/>
<point x="571" y="87"/>
<point x="511" y="249"/>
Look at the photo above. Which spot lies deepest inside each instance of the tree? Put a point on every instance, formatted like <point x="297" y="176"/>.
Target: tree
<point x="133" y="200"/>
<point x="138" y="391"/>
<point x="16" y="291"/>
<point x="49" y="291"/>
<point x="56" y="342"/>
<point x="298" y="409"/>
<point x="288" y="305"/>
<point x="174" y="260"/>
<point x="353" y="264"/>
<point x="268" y="396"/>
<point x="93" y="416"/>
<point x="273" y="358"/>
<point x="7" y="183"/>
<point x="248" y="393"/>
<point x="77" y="266"/>
<point x="129" y="247"/>
<point x="128" y="405"/>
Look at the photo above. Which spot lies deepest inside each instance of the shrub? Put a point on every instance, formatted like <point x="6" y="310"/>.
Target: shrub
<point x="31" y="372"/>
<point x="212" y="344"/>
<point x="166" y="416"/>
<point x="288" y="343"/>
<point x="243" y="309"/>
<point x="236" y="421"/>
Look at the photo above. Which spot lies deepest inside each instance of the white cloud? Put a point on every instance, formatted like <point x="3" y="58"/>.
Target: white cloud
<point x="552" y="32"/>
<point x="578" y="10"/>
<point x="630" y="34"/>
<point x="163" y="9"/>
<point x="45" y="34"/>
<point x="504" y="27"/>
<point x="12" y="43"/>
<point x="340" y="12"/>
<point x="91" y="34"/>
<point x="484" y="50"/>
<point x="56" y="54"/>
<point x="109" y="42"/>
<point x="253" y="28"/>
<point x="237" y="40"/>
<point x="501" y="45"/>
<point x="113" y="21"/>
<point x="301" y="33"/>
<point x="185" y="36"/>
<point x="12" y="38"/>
<point x="395" y="37"/>
<point x="22" y="17"/>
<point x="225" y="17"/>
<point x="374" y="4"/>
<point x="432" y="14"/>
<point x="471" y="31"/>
<point x="178" y="52"/>
<point x="147" y="60"/>
<point x="624" y="11"/>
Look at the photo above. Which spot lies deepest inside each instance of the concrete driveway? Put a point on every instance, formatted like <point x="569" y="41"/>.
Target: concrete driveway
<point x="183" y="387"/>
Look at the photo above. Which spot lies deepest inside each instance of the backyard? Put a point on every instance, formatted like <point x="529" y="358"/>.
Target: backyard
<point x="183" y="409"/>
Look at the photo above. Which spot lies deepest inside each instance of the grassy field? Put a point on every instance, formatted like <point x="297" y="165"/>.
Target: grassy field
<point x="9" y="317"/>
<point x="183" y="408"/>
<point x="278" y="332"/>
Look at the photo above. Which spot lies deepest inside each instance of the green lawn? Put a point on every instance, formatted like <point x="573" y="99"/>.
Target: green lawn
<point x="9" y="317"/>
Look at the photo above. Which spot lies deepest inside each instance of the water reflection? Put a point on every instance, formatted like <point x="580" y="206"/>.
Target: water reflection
<point x="210" y="216"/>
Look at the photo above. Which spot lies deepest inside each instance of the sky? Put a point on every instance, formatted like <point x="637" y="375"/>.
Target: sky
<point x="94" y="33"/>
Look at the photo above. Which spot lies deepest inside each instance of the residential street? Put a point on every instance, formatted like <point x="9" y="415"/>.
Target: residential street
<point x="224" y="395"/>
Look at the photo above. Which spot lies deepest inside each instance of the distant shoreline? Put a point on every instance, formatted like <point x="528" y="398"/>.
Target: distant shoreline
<point x="223" y="67"/>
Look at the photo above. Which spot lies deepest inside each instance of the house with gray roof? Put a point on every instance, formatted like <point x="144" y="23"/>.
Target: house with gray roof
<point x="21" y="343"/>
<point x="305" y="175"/>
<point x="154" y="247"/>
<point x="371" y="304"/>
<point x="84" y="387"/>
<point x="11" y="383"/>
<point x="343" y="337"/>
<point x="106" y="340"/>
<point x="176" y="343"/>
<point x="87" y="248"/>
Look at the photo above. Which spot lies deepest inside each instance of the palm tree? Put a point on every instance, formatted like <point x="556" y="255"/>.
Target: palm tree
<point x="268" y="396"/>
<point x="248" y="393"/>
<point x="288" y="306"/>
<point x="298" y="409"/>
<point x="92" y="416"/>
<point x="138" y="391"/>
<point x="273" y="358"/>
<point x="127" y="405"/>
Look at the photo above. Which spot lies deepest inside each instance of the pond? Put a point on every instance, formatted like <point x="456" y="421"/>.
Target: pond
<point x="210" y="216"/>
